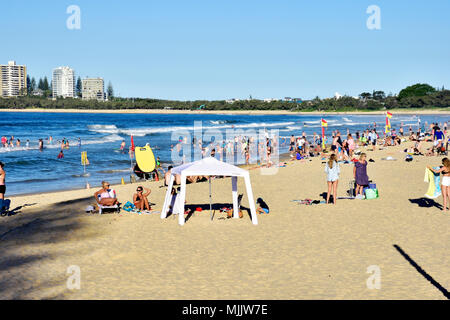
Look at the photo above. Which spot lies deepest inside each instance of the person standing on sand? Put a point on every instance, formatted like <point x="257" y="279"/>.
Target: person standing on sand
<point x="2" y="181"/>
<point x="445" y="184"/>
<point x="351" y="145"/>
<point x="332" y="170"/>
<point x="360" y="175"/>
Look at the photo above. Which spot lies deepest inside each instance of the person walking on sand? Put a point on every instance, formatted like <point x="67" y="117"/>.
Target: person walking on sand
<point x="332" y="170"/>
<point x="2" y="181"/>
<point x="445" y="184"/>
<point x="360" y="175"/>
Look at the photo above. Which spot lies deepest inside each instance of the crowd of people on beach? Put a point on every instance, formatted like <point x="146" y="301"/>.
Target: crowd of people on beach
<point x="346" y="150"/>
<point x="241" y="148"/>
<point x="13" y="143"/>
<point x="340" y="150"/>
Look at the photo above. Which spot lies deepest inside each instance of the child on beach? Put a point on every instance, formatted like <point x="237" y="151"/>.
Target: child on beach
<point x="445" y="187"/>
<point x="332" y="170"/>
<point x="360" y="175"/>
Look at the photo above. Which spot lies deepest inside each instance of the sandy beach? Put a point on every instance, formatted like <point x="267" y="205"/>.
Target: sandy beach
<point x="409" y="111"/>
<point x="296" y="252"/>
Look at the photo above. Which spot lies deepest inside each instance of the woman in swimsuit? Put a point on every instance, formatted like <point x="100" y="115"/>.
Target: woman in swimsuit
<point x="445" y="184"/>
<point x="140" y="198"/>
<point x="104" y="197"/>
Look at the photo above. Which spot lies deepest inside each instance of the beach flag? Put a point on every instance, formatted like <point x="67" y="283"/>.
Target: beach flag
<point x="324" y="124"/>
<point x="388" y="114"/>
<point x="132" y="144"/>
<point x="84" y="159"/>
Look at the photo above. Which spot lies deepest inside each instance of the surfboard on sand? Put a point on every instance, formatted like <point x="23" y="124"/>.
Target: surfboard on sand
<point x="145" y="158"/>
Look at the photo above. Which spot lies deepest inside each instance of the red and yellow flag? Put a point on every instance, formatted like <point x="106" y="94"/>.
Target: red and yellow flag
<point x="324" y="123"/>
<point x="388" y="114"/>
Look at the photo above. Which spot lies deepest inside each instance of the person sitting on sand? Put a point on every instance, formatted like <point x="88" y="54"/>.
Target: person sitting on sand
<point x="445" y="183"/>
<point x="140" y="198"/>
<point x="360" y="175"/>
<point x="104" y="197"/>
<point x="262" y="206"/>
<point x="332" y="170"/>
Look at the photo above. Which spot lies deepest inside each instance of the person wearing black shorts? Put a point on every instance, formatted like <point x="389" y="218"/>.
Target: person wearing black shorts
<point x="2" y="181"/>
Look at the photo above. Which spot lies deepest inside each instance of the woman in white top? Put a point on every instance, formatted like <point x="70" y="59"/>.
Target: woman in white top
<point x="332" y="170"/>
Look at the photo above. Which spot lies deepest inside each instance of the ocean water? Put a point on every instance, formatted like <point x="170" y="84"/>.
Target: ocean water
<point x="30" y="170"/>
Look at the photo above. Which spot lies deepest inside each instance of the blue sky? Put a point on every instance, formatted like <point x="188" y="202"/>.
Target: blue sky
<point x="219" y="49"/>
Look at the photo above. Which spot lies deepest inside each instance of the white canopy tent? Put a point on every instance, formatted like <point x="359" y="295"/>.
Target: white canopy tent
<point x="207" y="167"/>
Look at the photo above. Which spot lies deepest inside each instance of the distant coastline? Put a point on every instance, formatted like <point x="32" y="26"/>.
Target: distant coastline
<point x="247" y="112"/>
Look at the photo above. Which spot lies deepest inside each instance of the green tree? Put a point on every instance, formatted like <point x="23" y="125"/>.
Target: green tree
<point x="365" y="95"/>
<point x="45" y="85"/>
<point x="378" y="95"/>
<point x="28" y="85"/>
<point x="78" y="87"/>
<point x="41" y="84"/>
<point x="110" y="91"/>
<point x="417" y="90"/>
<point x="33" y="84"/>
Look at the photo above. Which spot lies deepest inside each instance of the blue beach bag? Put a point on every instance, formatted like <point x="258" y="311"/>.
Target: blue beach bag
<point x="128" y="207"/>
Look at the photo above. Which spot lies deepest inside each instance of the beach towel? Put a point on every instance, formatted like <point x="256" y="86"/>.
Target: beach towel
<point x="434" y="186"/>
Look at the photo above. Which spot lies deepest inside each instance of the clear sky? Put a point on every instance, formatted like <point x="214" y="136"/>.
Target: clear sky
<point x="220" y="49"/>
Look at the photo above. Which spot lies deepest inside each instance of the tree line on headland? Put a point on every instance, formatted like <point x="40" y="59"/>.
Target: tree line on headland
<point x="418" y="96"/>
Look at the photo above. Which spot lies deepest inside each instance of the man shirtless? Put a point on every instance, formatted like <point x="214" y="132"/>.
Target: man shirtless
<point x="2" y="181"/>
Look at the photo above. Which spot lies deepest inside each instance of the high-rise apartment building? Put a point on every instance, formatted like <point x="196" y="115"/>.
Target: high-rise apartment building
<point x="63" y="82"/>
<point x="13" y="80"/>
<point x="93" y="89"/>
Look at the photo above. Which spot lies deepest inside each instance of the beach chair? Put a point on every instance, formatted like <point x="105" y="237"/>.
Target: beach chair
<point x="114" y="208"/>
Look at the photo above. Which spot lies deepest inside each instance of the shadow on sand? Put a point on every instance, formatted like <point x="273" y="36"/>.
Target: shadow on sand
<point x="24" y="233"/>
<point x="426" y="203"/>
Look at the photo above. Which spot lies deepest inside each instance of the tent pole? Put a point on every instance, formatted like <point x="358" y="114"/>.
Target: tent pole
<point x="210" y="200"/>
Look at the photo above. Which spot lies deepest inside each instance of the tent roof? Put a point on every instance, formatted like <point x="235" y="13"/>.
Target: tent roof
<point x="209" y="167"/>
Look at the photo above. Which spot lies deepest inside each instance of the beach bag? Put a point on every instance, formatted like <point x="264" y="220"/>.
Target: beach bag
<point x="4" y="205"/>
<point x="371" y="194"/>
<point x="128" y="207"/>
<point x="372" y="185"/>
